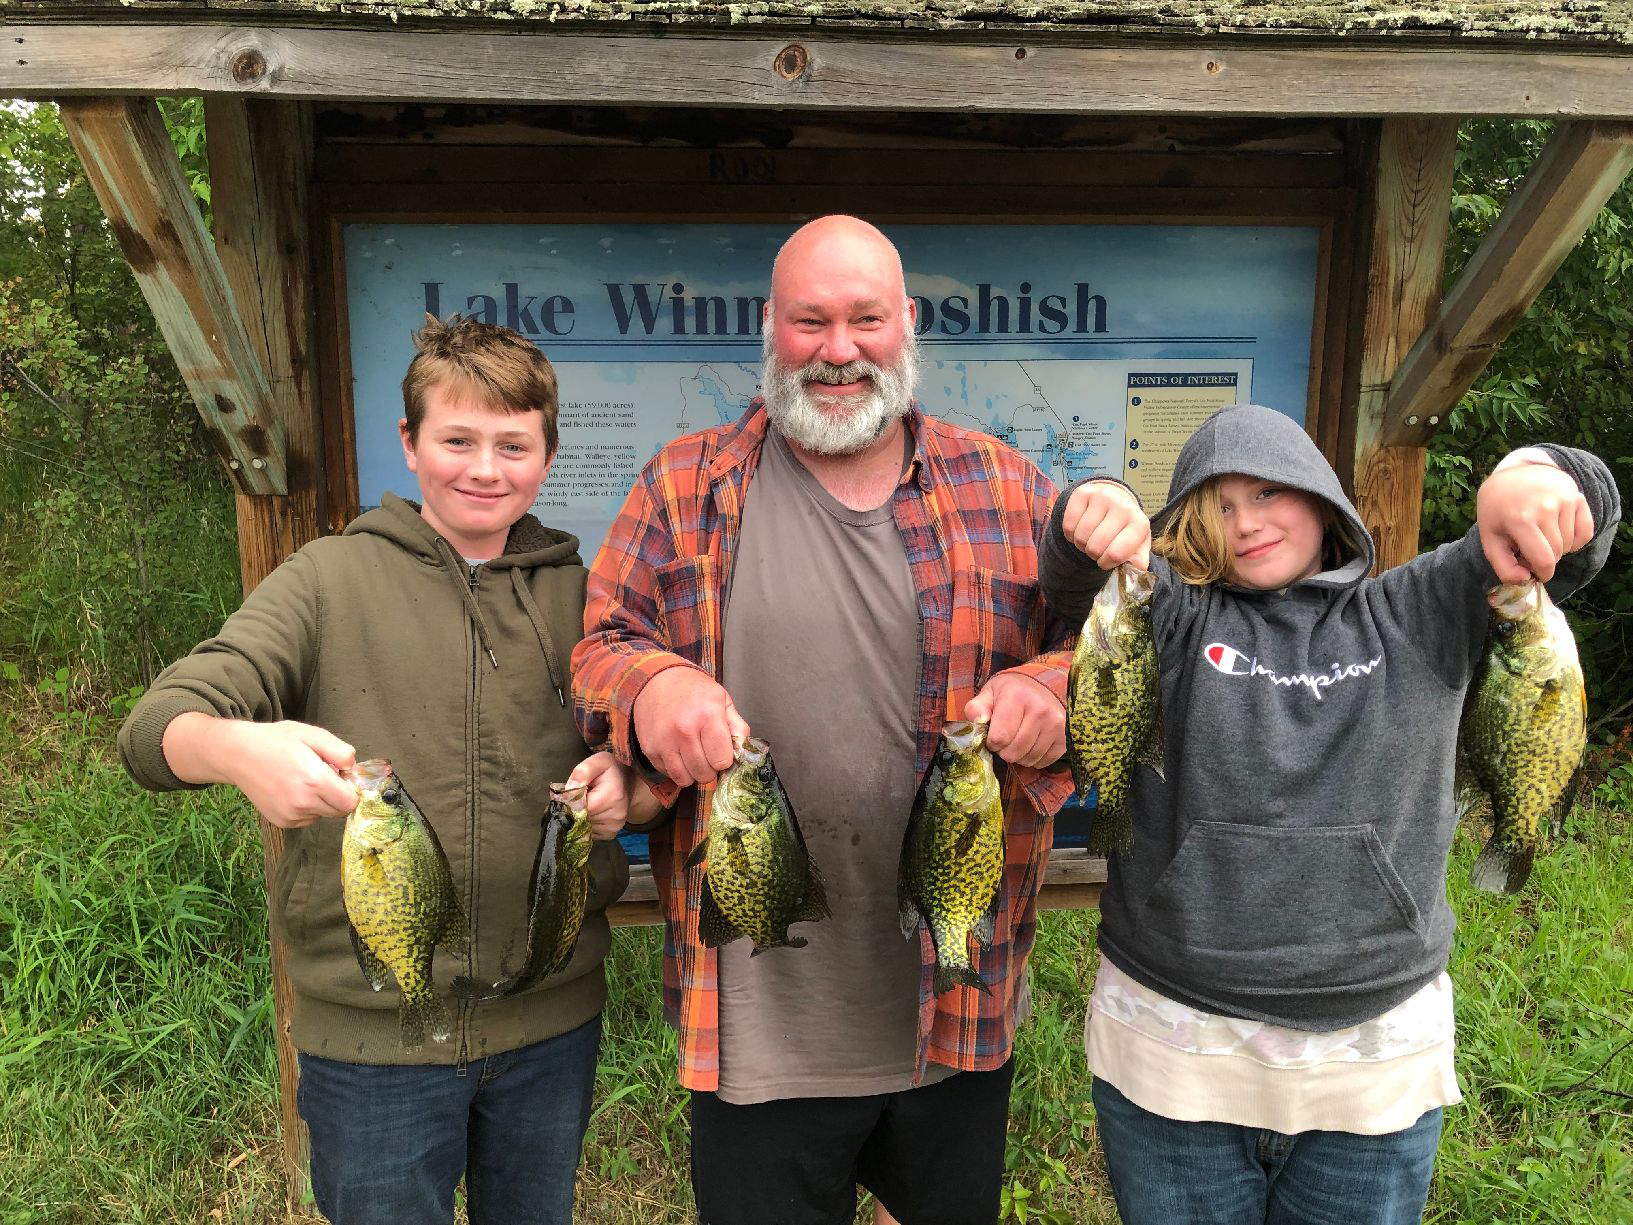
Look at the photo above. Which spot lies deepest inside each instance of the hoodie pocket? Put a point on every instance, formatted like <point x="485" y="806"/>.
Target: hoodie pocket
<point x="1253" y="908"/>
<point x="292" y="890"/>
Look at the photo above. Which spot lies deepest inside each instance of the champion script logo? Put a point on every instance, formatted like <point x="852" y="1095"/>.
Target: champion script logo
<point x="1227" y="659"/>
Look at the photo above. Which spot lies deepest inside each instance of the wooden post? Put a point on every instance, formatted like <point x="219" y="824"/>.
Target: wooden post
<point x="260" y="157"/>
<point x="1411" y="213"/>
<point x="137" y="176"/>
<point x="1576" y="172"/>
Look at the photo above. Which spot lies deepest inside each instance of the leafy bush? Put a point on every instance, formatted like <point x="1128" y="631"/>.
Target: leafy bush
<point x="1563" y="375"/>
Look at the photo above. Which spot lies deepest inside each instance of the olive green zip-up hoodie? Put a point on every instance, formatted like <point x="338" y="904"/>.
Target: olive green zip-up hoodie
<point x="389" y="639"/>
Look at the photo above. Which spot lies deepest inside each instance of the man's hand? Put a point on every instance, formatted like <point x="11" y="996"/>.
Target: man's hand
<point x="1027" y="723"/>
<point x="1530" y="515"/>
<point x="685" y="723"/>
<point x="607" y="800"/>
<point x="288" y="770"/>
<point x="1105" y="520"/>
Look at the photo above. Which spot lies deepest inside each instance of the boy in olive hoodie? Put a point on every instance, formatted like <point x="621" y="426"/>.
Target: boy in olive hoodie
<point x="435" y="636"/>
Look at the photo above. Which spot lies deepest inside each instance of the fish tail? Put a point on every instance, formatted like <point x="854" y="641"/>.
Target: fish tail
<point x="948" y="977"/>
<point x="1501" y="869"/>
<point x="789" y="942"/>
<point x="1112" y="828"/>
<point x="422" y="1013"/>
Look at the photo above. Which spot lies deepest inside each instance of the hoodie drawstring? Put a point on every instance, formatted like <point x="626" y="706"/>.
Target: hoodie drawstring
<point x="460" y="573"/>
<point x="541" y="627"/>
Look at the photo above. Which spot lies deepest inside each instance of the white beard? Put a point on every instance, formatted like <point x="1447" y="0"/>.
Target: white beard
<point x="809" y="425"/>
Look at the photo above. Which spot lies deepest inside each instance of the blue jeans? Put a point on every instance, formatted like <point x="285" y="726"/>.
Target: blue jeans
<point x="390" y="1144"/>
<point x="1167" y="1172"/>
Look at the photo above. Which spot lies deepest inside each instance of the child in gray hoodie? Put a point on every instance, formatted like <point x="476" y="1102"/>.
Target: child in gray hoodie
<point x="1271" y="1026"/>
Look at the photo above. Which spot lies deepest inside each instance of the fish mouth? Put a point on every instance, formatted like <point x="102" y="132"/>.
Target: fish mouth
<point x="965" y="735"/>
<point x="752" y="751"/>
<point x="570" y="794"/>
<point x="1515" y="601"/>
<point x="370" y="774"/>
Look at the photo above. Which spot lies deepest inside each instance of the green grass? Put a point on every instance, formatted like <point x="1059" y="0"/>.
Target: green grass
<point x="136" y="1055"/>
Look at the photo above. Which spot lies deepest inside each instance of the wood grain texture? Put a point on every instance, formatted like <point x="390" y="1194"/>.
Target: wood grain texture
<point x="137" y="176"/>
<point x="1574" y="175"/>
<point x="1411" y="214"/>
<point x="260" y="153"/>
<point x="914" y="72"/>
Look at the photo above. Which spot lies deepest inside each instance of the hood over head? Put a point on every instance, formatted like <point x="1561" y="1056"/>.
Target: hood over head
<point x="1256" y="441"/>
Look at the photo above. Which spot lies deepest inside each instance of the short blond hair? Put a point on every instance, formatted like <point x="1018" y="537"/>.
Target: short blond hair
<point x="1193" y="539"/>
<point x="497" y="366"/>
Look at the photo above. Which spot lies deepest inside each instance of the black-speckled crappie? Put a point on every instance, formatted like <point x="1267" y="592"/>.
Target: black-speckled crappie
<point x="759" y="876"/>
<point x="556" y="897"/>
<point x="1523" y="730"/>
<point x="1114" y="704"/>
<point x="399" y="897"/>
<point x="952" y="860"/>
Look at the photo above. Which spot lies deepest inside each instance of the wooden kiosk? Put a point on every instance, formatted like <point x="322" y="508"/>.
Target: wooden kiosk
<point x="324" y="114"/>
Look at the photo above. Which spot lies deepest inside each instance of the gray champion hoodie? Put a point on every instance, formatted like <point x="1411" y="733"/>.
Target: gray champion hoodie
<point x="1292" y="867"/>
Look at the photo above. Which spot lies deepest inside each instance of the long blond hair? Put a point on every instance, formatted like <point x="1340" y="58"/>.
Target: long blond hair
<point x="1193" y="539"/>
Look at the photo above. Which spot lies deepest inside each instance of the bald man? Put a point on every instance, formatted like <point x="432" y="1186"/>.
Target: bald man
<point x="839" y="574"/>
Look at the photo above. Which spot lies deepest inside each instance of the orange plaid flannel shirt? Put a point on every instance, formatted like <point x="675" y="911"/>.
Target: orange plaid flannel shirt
<point x="970" y="511"/>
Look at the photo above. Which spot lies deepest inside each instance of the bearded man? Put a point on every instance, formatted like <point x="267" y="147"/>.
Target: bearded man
<point x="842" y="574"/>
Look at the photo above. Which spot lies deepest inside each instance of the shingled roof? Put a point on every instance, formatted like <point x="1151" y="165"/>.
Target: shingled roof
<point x="1555" y="23"/>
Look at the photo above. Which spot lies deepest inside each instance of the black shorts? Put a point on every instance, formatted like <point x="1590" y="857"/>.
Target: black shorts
<point x="932" y="1155"/>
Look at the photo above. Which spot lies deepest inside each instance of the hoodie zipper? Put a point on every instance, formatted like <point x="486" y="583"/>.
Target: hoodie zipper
<point x="466" y="1007"/>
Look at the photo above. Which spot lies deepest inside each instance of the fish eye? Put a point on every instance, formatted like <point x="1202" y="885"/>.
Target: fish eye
<point x="1506" y="629"/>
<point x="390" y="795"/>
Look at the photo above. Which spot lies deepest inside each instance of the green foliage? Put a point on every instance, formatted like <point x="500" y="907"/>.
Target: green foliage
<point x="116" y="541"/>
<point x="1563" y="375"/>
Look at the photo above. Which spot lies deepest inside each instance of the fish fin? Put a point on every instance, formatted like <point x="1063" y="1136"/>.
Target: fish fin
<point x="813" y="907"/>
<point x="967" y="835"/>
<point x="713" y="926"/>
<point x="1472" y="800"/>
<point x="423" y="1014"/>
<point x="1111" y="830"/>
<point x="476" y="989"/>
<point x="1567" y="801"/>
<point x="792" y="942"/>
<point x="1150" y="752"/>
<point x="699" y="852"/>
<point x="948" y="977"/>
<point x="456" y="932"/>
<point x="987" y="925"/>
<point x="373" y="968"/>
<point x="1498" y="870"/>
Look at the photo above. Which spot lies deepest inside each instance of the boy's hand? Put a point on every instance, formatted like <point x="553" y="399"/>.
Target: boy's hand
<point x="685" y="723"/>
<point x="1106" y="521"/>
<point x="288" y="770"/>
<point x="1530" y="514"/>
<point x="607" y="800"/>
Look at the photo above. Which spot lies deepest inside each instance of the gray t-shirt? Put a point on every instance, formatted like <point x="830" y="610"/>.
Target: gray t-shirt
<point x="821" y="656"/>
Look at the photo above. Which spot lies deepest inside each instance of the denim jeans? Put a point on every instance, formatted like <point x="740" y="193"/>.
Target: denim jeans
<point x="1167" y="1172"/>
<point x="390" y="1144"/>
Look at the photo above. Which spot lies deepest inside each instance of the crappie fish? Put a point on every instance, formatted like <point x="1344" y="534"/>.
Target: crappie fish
<point x="759" y="876"/>
<point x="1523" y="730"/>
<point x="399" y="897"/>
<point x="953" y="855"/>
<point x="1114" y="703"/>
<point x="555" y="901"/>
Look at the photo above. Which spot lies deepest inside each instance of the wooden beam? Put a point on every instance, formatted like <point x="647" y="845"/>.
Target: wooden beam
<point x="261" y="154"/>
<point x="1574" y="175"/>
<point x="1012" y="71"/>
<point x="1411" y="213"/>
<point x="137" y="176"/>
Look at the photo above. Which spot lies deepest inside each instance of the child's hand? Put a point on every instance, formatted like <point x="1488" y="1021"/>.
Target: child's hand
<point x="607" y="800"/>
<point x="290" y="771"/>
<point x="1530" y="514"/>
<point x="1106" y="521"/>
